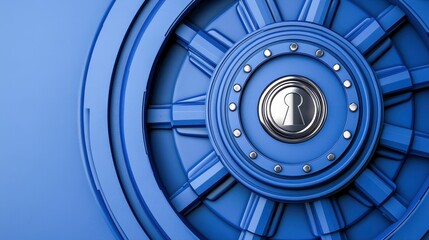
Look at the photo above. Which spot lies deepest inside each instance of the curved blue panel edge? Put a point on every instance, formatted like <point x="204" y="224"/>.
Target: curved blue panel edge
<point x="94" y="119"/>
<point x="131" y="222"/>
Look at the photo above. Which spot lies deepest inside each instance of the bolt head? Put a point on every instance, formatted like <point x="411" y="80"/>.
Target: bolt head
<point x="353" y="107"/>
<point x="347" y="135"/>
<point x="247" y="68"/>
<point x="347" y="83"/>
<point x="232" y="107"/>
<point x="336" y="67"/>
<point x="320" y="53"/>
<point x="237" y="88"/>
<point x="237" y="133"/>
<point x="293" y="47"/>
<point x="330" y="157"/>
<point x="306" y="168"/>
<point x="267" y="53"/>
<point x="278" y="168"/>
<point x="253" y="155"/>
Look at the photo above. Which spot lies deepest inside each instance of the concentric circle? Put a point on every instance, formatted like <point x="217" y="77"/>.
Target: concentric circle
<point x="318" y="117"/>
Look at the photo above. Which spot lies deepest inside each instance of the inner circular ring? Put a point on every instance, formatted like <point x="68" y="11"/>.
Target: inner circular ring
<point x="292" y="109"/>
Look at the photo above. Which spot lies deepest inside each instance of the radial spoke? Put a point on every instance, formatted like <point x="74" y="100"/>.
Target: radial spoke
<point x="397" y="99"/>
<point x="420" y="77"/>
<point x="261" y="217"/>
<point x="372" y="31"/>
<point x="159" y="116"/>
<point x="420" y="145"/>
<point x="356" y="195"/>
<point x="366" y="35"/>
<point x="186" y="113"/>
<point x="384" y="152"/>
<point x="379" y="189"/>
<point x="190" y="112"/>
<point x="255" y="14"/>
<point x="205" y="51"/>
<point x="200" y="132"/>
<point x="404" y="140"/>
<point x="394" y="80"/>
<point x="374" y="187"/>
<point x="203" y="178"/>
<point x="320" y="12"/>
<point x="396" y="138"/>
<point x="207" y="174"/>
<point x="326" y="218"/>
<point x="379" y="50"/>
<point x="221" y="38"/>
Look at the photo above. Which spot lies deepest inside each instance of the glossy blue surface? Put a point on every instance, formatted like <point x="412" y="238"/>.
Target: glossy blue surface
<point x="115" y="120"/>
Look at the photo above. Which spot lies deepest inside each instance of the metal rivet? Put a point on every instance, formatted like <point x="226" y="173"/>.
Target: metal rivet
<point x="306" y="168"/>
<point x="293" y="47"/>
<point x="253" y="155"/>
<point x="237" y="133"/>
<point x="353" y="107"/>
<point x="347" y="135"/>
<point x="267" y="53"/>
<point x="330" y="157"/>
<point x="347" y="83"/>
<point x="336" y="67"/>
<point x="247" y="68"/>
<point x="319" y="53"/>
<point x="232" y="107"/>
<point x="278" y="168"/>
<point x="237" y="88"/>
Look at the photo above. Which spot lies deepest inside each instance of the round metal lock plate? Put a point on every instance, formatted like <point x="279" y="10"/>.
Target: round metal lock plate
<point x="292" y="109"/>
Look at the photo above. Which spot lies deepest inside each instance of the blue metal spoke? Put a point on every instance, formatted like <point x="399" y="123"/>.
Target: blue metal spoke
<point x="398" y="79"/>
<point x="326" y="219"/>
<point x="375" y="188"/>
<point x="204" y="177"/>
<point x="261" y="217"/>
<point x="159" y="116"/>
<point x="380" y="191"/>
<point x="255" y="14"/>
<point x="379" y="50"/>
<point x="396" y="138"/>
<point x="405" y="141"/>
<point x="186" y="113"/>
<point x="391" y="154"/>
<point x="420" y="78"/>
<point x="420" y="145"/>
<point x="321" y="12"/>
<point x="393" y="100"/>
<point x="205" y="51"/>
<point x="394" y="80"/>
<point x="368" y="34"/>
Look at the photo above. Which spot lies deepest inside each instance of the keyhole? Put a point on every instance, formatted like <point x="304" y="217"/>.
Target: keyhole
<point x="293" y="116"/>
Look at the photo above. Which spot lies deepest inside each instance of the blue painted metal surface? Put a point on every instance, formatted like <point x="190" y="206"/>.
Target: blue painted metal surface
<point x="146" y="88"/>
